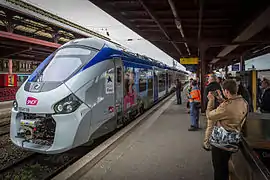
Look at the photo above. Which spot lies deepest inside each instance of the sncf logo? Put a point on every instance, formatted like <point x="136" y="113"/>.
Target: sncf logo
<point x="31" y="101"/>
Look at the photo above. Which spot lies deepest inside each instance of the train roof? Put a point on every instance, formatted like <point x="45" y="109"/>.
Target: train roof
<point x="119" y="51"/>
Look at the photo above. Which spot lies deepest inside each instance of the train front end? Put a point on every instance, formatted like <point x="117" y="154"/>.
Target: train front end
<point x="47" y="117"/>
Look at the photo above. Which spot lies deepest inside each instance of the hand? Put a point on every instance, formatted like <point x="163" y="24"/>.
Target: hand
<point x="210" y="96"/>
<point x="219" y="94"/>
<point x="206" y="147"/>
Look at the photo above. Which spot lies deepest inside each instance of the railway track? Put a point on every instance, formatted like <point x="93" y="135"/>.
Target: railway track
<point x="42" y="166"/>
<point x="4" y="126"/>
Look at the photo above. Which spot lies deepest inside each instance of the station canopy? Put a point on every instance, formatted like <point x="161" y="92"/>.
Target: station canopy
<point x="30" y="33"/>
<point x="221" y="30"/>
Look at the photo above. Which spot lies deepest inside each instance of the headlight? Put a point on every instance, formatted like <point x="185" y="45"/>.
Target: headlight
<point x="67" y="105"/>
<point x="15" y="105"/>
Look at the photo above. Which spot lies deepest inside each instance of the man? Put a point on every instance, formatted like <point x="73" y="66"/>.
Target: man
<point x="195" y="100"/>
<point x="189" y="88"/>
<point x="219" y="80"/>
<point x="229" y="115"/>
<point x="244" y="92"/>
<point x="178" y="91"/>
<point x="211" y="87"/>
<point x="265" y="100"/>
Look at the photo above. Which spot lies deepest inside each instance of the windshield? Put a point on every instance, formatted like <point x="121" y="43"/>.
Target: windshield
<point x="63" y="64"/>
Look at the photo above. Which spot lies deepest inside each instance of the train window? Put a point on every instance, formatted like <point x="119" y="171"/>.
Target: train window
<point x="170" y="80"/>
<point x="150" y="87"/>
<point x="119" y="74"/>
<point x="142" y="84"/>
<point x="161" y="82"/>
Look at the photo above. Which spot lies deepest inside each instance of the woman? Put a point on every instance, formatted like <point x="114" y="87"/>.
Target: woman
<point x="230" y="115"/>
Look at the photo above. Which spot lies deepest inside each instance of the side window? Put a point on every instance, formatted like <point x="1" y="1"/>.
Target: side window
<point x="161" y="83"/>
<point x="142" y="84"/>
<point x="119" y="74"/>
<point x="142" y="80"/>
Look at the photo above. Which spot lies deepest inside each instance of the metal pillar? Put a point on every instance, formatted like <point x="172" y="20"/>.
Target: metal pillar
<point x="202" y="78"/>
<point x="242" y="64"/>
<point x="10" y="66"/>
<point x="226" y="72"/>
<point x="254" y="90"/>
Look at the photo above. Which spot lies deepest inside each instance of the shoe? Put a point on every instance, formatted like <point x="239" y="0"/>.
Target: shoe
<point x="192" y="129"/>
<point x="207" y="149"/>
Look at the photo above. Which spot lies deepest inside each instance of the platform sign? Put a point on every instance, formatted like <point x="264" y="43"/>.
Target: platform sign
<point x="191" y="68"/>
<point x="189" y="60"/>
<point x="236" y="67"/>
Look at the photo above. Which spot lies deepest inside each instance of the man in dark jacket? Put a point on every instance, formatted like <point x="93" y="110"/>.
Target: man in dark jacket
<point x="178" y="91"/>
<point x="245" y="94"/>
<point x="265" y="100"/>
<point x="211" y="87"/>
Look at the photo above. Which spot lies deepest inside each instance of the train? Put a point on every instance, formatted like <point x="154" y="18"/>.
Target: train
<point x="85" y="89"/>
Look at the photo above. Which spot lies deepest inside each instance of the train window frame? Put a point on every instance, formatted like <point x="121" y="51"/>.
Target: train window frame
<point x="142" y="80"/>
<point x="142" y="84"/>
<point x="161" y="78"/>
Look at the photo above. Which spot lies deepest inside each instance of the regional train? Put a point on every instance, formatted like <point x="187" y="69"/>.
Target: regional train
<point x="84" y="90"/>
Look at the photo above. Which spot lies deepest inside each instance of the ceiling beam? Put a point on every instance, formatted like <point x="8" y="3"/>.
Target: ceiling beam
<point x="200" y="24"/>
<point x="151" y="14"/>
<point x="255" y="27"/>
<point x="21" y="38"/>
<point x="178" y="22"/>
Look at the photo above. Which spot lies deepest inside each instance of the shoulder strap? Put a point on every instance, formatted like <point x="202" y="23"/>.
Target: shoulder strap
<point x="245" y="117"/>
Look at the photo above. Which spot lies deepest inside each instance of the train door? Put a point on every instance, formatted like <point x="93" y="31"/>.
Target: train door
<point x="155" y="85"/>
<point x="167" y="81"/>
<point x="118" y="89"/>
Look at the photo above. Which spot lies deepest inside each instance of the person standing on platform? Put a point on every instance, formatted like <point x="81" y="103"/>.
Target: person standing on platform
<point x="189" y="88"/>
<point x="178" y="91"/>
<point x="212" y="86"/>
<point x="230" y="116"/>
<point x="244" y="93"/>
<point x="195" y="102"/>
<point x="265" y="100"/>
<point x="219" y="80"/>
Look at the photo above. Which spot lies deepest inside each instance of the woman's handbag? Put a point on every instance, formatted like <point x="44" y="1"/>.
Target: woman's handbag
<point x="226" y="140"/>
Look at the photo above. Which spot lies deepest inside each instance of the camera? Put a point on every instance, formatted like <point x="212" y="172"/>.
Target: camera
<point x="215" y="93"/>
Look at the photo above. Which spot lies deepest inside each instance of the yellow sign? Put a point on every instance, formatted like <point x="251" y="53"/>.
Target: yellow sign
<point x="189" y="60"/>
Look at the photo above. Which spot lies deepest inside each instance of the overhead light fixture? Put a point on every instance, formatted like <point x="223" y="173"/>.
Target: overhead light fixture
<point x="215" y="60"/>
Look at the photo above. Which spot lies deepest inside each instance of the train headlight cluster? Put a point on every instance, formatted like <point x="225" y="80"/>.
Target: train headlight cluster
<point x="67" y="105"/>
<point x="15" y="105"/>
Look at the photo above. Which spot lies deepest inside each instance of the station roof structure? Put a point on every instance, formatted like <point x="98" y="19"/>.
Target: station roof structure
<point x="222" y="30"/>
<point x="30" y="33"/>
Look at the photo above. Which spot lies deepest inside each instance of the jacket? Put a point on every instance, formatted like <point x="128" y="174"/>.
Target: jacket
<point x="229" y="114"/>
<point x="179" y="86"/>
<point x="213" y="86"/>
<point x="195" y="95"/>
<point x="245" y="94"/>
<point x="265" y="101"/>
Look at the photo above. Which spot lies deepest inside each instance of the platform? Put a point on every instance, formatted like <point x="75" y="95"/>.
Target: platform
<point x="160" y="148"/>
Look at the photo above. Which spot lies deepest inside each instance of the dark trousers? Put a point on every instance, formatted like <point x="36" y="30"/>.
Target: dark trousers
<point x="220" y="160"/>
<point x="178" y="97"/>
<point x="194" y="115"/>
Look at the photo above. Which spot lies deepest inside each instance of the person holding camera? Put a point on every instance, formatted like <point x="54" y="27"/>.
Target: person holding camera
<point x="212" y="86"/>
<point x="225" y="123"/>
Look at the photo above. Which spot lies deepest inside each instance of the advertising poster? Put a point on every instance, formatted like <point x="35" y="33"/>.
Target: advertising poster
<point x="130" y="91"/>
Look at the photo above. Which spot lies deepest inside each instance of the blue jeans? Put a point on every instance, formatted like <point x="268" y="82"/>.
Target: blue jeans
<point x="194" y="115"/>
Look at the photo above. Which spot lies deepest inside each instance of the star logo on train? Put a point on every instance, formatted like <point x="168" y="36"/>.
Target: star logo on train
<point x="109" y="79"/>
